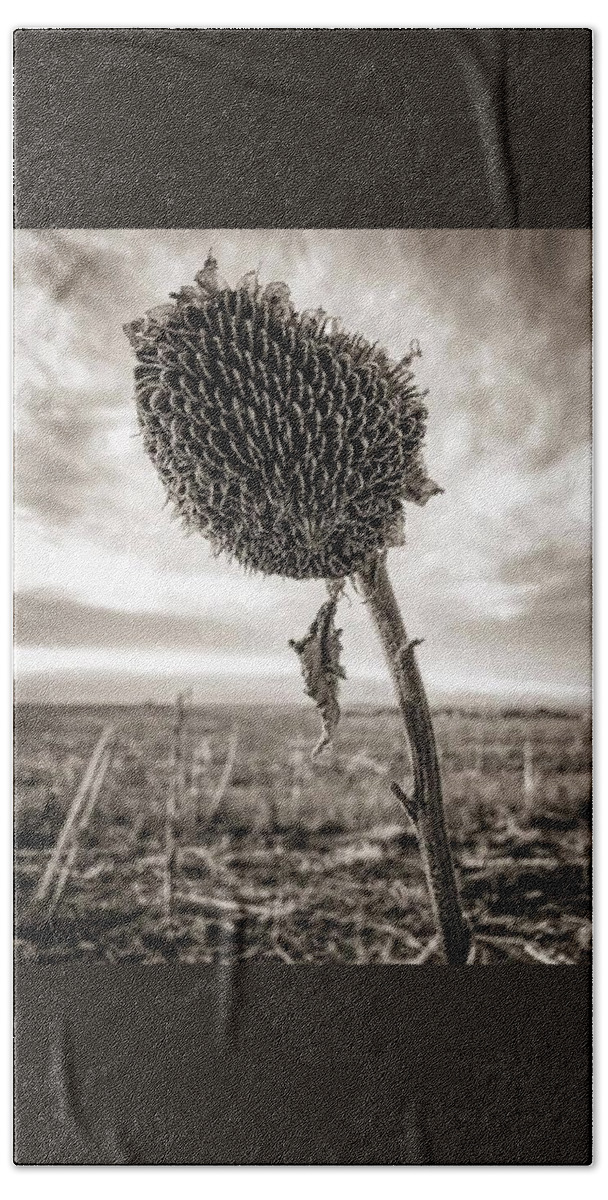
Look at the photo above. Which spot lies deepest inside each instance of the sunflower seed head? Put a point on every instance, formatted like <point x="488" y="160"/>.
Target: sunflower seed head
<point x="285" y="440"/>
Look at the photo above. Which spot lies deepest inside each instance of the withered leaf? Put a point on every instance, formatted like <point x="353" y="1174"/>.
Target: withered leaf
<point x="319" y="653"/>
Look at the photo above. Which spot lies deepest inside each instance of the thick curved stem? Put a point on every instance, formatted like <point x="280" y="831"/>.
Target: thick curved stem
<point x="425" y="807"/>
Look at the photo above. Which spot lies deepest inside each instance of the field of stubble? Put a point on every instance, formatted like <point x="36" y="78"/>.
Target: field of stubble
<point x="277" y="856"/>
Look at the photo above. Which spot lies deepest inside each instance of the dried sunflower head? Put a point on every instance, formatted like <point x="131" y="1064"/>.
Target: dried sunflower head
<point x="285" y="440"/>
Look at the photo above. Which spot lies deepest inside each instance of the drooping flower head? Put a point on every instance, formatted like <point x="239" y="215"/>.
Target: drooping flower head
<point x="288" y="442"/>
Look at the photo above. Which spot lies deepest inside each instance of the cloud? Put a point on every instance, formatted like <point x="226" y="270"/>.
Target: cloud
<point x="61" y="469"/>
<point x="45" y="618"/>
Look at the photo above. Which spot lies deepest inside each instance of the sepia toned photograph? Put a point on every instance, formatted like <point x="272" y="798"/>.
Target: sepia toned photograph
<point x="303" y="596"/>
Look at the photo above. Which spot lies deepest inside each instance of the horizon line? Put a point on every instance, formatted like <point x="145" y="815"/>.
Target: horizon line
<point x="464" y="703"/>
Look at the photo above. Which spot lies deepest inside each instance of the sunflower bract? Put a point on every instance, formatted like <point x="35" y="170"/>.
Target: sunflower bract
<point x="286" y="441"/>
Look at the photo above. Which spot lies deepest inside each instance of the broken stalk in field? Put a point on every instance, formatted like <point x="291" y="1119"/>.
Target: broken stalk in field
<point x="69" y="831"/>
<point x="425" y="806"/>
<point x="175" y="798"/>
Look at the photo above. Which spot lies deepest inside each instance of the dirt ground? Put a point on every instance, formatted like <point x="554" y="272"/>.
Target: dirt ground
<point x="306" y="862"/>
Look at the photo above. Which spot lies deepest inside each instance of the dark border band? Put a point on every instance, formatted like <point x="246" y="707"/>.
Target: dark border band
<point x="302" y="1065"/>
<point x="303" y="128"/>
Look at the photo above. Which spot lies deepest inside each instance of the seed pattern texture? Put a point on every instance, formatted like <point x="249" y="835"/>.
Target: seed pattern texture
<point x="288" y="442"/>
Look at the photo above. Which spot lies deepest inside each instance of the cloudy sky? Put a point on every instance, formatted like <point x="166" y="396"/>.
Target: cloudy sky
<point x="114" y="602"/>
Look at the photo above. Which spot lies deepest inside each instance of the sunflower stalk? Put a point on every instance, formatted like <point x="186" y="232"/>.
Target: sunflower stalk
<point x="425" y="806"/>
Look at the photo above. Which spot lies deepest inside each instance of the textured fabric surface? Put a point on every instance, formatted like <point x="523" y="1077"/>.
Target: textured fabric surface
<point x="278" y="1064"/>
